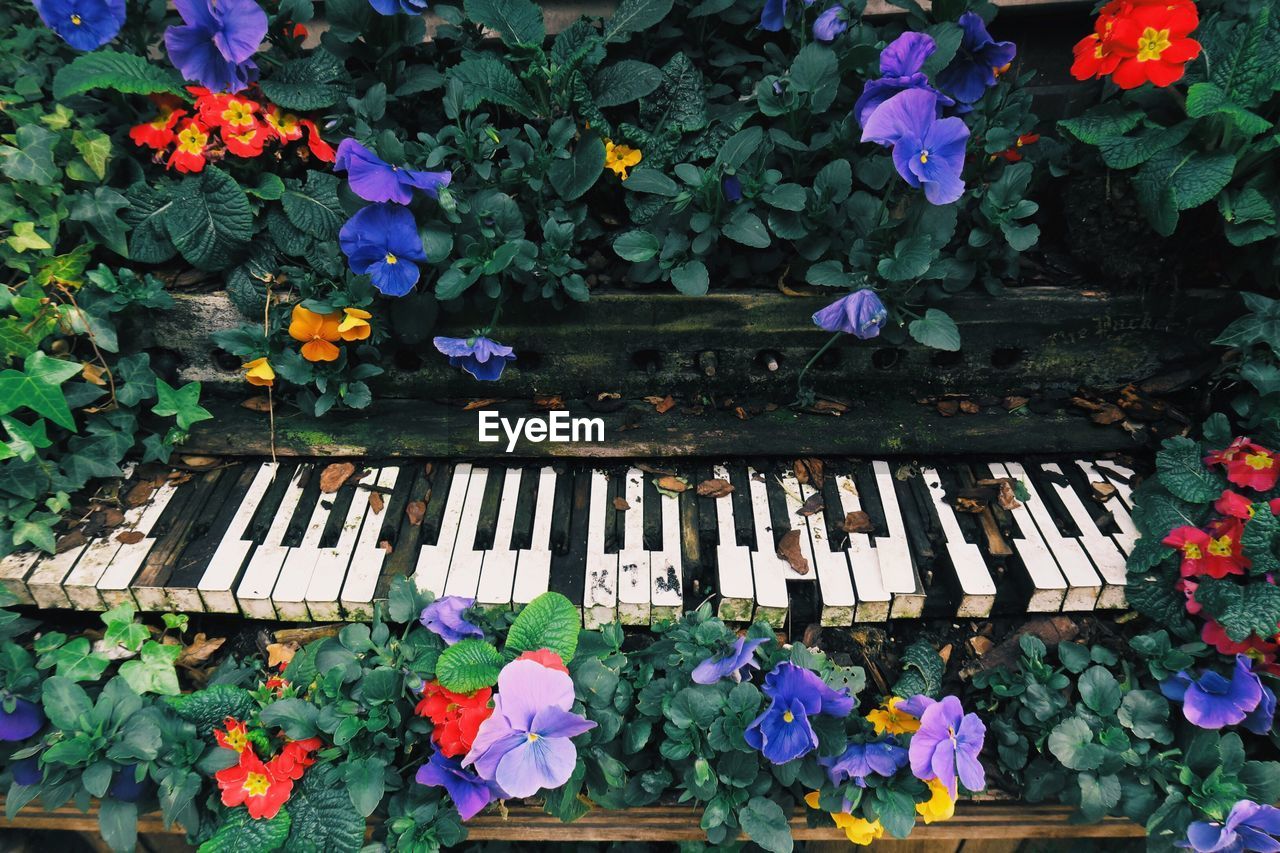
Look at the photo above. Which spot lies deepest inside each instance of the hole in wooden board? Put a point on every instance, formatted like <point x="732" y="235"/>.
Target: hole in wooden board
<point x="1002" y="358"/>
<point x="886" y="358"/>
<point x="224" y="360"/>
<point x="647" y="360"/>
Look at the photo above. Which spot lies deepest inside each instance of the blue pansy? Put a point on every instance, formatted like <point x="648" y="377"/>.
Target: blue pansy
<point x="397" y="7"/>
<point x="215" y="48"/>
<point x="860" y="760"/>
<point x="447" y="618"/>
<point x="774" y="16"/>
<point x="977" y="62"/>
<point x="1214" y="701"/>
<point x="26" y="771"/>
<point x="860" y="314"/>
<point x="470" y="793"/>
<point x="831" y="24"/>
<point x="25" y="720"/>
<point x="1249" y="826"/>
<point x="375" y="180"/>
<point x="928" y="152"/>
<point x="783" y="732"/>
<point x="83" y="24"/>
<point x="734" y="664"/>
<point x="901" y="68"/>
<point x="482" y="358"/>
<point x="382" y="241"/>
<point x="732" y="187"/>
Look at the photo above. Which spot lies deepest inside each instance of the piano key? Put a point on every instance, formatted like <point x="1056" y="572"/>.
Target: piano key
<point x="325" y="586"/>
<point x="1120" y="477"/>
<point x="600" y="584"/>
<point x="792" y="502"/>
<point x="768" y="570"/>
<point x="896" y="564"/>
<point x="691" y="538"/>
<point x="289" y="596"/>
<point x="404" y="531"/>
<point x="1102" y="549"/>
<point x="367" y="556"/>
<point x="977" y="591"/>
<point x="1083" y="583"/>
<point x="191" y="561"/>
<point x="254" y="592"/>
<point x="634" y="574"/>
<point x="224" y="565"/>
<point x="665" y="565"/>
<point x="81" y="584"/>
<point x="1048" y="586"/>
<point x="733" y="561"/>
<point x="498" y="574"/>
<point x="433" y="559"/>
<point x="13" y="573"/>
<point x="569" y="535"/>
<point x="464" y="565"/>
<point x="835" y="583"/>
<point x="995" y="542"/>
<point x="533" y="564"/>
<point x="873" y="599"/>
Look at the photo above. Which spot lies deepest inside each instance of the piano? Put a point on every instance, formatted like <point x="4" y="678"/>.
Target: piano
<point x="621" y="539"/>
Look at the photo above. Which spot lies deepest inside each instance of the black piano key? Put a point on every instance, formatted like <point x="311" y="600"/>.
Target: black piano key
<point x="569" y="543"/>
<point x="695" y="579"/>
<point x="173" y="535"/>
<point x="193" y="560"/>
<point x="436" y="479"/>
<point x="869" y="496"/>
<point x="562" y="519"/>
<point x="526" y="499"/>
<point x="413" y="483"/>
<point x="338" y="504"/>
<point x="311" y="495"/>
<point x="1045" y="483"/>
<point x="652" y="513"/>
<point x="741" y="499"/>
<point x="1099" y="511"/>
<point x="614" y="519"/>
<point x="266" y="511"/>
<point x="489" y="504"/>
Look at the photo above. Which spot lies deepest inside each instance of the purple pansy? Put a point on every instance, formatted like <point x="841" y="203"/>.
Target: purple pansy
<point x="127" y="787"/>
<point x="216" y="46"/>
<point x="860" y="760"/>
<point x="860" y="314"/>
<point x="901" y="68"/>
<point x="525" y="746"/>
<point x="22" y="722"/>
<point x="734" y="664"/>
<point x="482" y="358"/>
<point x="83" y="24"/>
<point x="1213" y="701"/>
<point x="1249" y="826"/>
<point x="928" y="151"/>
<point x="774" y="15"/>
<point x="947" y="745"/>
<point x="977" y="61"/>
<point x="783" y="733"/>
<point x="446" y="617"/>
<point x="396" y="7"/>
<point x="732" y="187"/>
<point x="382" y="241"/>
<point x="831" y="24"/>
<point x="27" y="771"/>
<point x="373" y="179"/>
<point x="468" y="791"/>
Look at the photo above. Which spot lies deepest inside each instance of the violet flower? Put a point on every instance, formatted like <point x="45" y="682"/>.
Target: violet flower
<point x="373" y="179"/>
<point x="446" y="617"/>
<point x="382" y="241"/>
<point x="126" y="787"/>
<point x="860" y="314"/>
<point x="25" y="720"/>
<point x="525" y="746"/>
<point x="468" y="791"/>
<point x="947" y="744"/>
<point x="216" y="46"/>
<point x="83" y="24"/>
<point x="977" y="62"/>
<point x="783" y="733"/>
<point x="831" y="24"/>
<point x="1212" y="701"/>
<point x="860" y="760"/>
<point x="901" y="68"/>
<point x="1249" y="826"/>
<point x="482" y="358"/>
<point x="732" y="187"/>
<point x="774" y="15"/>
<point x="395" y="7"/>
<point x="928" y="151"/>
<point x="27" y="771"/>
<point x="734" y="664"/>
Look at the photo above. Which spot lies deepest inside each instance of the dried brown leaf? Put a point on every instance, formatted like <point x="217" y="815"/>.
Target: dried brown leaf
<point x="130" y="537"/>
<point x="789" y="550"/>
<point x="200" y="650"/>
<point x="948" y="408"/>
<point x="715" y="488"/>
<point x="375" y="502"/>
<point x="1012" y="403"/>
<point x="479" y="404"/>
<point x="256" y="404"/>
<point x="547" y="404"/>
<point x="386" y="546"/>
<point x="94" y="373"/>
<point x="415" y="511"/>
<point x="278" y="653"/>
<point x="671" y="483"/>
<point x="621" y="505"/>
<point x="334" y="475"/>
<point x="857" y="522"/>
<point x="813" y="504"/>
<point x="1103" y="492"/>
<point x="969" y="407"/>
<point x="138" y="494"/>
<point x="200" y="461"/>
<point x="662" y="405"/>
<point x="809" y="471"/>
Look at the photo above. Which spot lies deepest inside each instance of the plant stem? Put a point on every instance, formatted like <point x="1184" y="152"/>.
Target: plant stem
<point x="812" y="361"/>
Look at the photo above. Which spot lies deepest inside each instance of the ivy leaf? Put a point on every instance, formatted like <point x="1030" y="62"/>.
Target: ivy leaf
<point x="239" y="832"/>
<point x="766" y="824"/>
<point x="213" y="221"/>
<point x="95" y="147"/>
<point x="122" y="630"/>
<point x="1183" y="472"/>
<point x="153" y="671"/>
<point x="25" y="441"/>
<point x="468" y="665"/>
<point x="111" y="69"/>
<point x="36" y="532"/>
<point x="550" y="621"/>
<point x="1242" y="609"/>
<point x="936" y="329"/>
<point x="135" y="380"/>
<point x="313" y="207"/>
<point x="38" y="387"/>
<point x="74" y="661"/>
<point x="180" y="403"/>
<point x="101" y="211"/>
<point x="31" y="160"/>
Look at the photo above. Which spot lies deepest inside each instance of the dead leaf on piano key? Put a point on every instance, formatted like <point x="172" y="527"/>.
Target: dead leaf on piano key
<point x="334" y="475"/>
<point x="969" y="407"/>
<point x="414" y="511"/>
<point x="130" y="537"/>
<point x="479" y="404"/>
<point x="789" y="550"/>
<point x="1103" y="492"/>
<point x="547" y="404"/>
<point x="200" y="650"/>
<point x="857" y="522"/>
<point x="621" y="505"/>
<point x="948" y="408"/>
<point x="256" y="404"/>
<point x="1006" y="494"/>
<point x="386" y="546"/>
<point x="661" y="405"/>
<point x="671" y="485"/>
<point x="74" y="539"/>
<point x="375" y="502"/>
<point x="278" y="653"/>
<point x="813" y="504"/>
<point x="973" y="501"/>
<point x="715" y="488"/>
<point x="809" y="471"/>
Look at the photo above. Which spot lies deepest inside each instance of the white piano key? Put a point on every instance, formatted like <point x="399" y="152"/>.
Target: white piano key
<point x="289" y="596"/>
<point x="254" y="592"/>
<point x="224" y="565"/>
<point x="433" y="560"/>
<point x="767" y="568"/>
<point x="367" y="558"/>
<point x="113" y="586"/>
<point x="977" y="589"/>
<point x="498" y="573"/>
<point x="1120" y="477"/>
<point x="1102" y="549"/>
<point x="874" y="600"/>
<point x="1127" y="532"/>
<point x="733" y="562"/>
<point x="835" y="583"/>
<point x="1083" y="583"/>
<point x="791" y="497"/>
<point x="599" y="590"/>
<point x="634" y="575"/>
<point x="81" y="584"/>
<point x="464" y="565"/>
<point x="13" y="573"/>
<point x="533" y="565"/>
<point x="896" y="566"/>
<point x="1048" y="586"/>
<point x="325" y="586"/>
<point x="667" y="565"/>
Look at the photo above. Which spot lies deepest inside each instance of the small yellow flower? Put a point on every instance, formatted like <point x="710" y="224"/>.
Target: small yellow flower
<point x="856" y="829"/>
<point x="355" y="325"/>
<point x="938" y="807"/>
<point x="259" y="372"/>
<point x="619" y="158"/>
<point x="890" y="719"/>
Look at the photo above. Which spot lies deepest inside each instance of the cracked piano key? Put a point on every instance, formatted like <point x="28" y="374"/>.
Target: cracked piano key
<point x="600" y="583"/>
<point x="767" y="569"/>
<point x="368" y="557"/>
<point x="182" y="593"/>
<point x="977" y="591"/>
<point x="325" y="586"/>
<point x="634" y="594"/>
<point x="569" y="535"/>
<point x="289" y="596"/>
<point x="873" y="599"/>
<point x="1102" y="549"/>
<point x="666" y="568"/>
<point x="893" y="550"/>
<point x="228" y="556"/>
<point x="465" y="562"/>
<point x="1048" y="587"/>
<point x="835" y="582"/>
<point x="733" y="561"/>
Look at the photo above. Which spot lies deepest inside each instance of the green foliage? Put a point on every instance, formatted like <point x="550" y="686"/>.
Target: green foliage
<point x="468" y="665"/>
<point x="121" y="72"/>
<point x="550" y="621"/>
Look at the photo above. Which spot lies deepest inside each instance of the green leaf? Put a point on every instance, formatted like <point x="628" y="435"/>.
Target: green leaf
<point x="296" y="716"/>
<point x="313" y="207"/>
<point x="118" y="823"/>
<point x="213" y="222"/>
<point x="270" y="187"/>
<point x="181" y="403"/>
<point x="1100" y="691"/>
<point x="75" y="661"/>
<point x="95" y="147"/>
<point x="1205" y="99"/>
<point x="110" y="69"/>
<point x="636" y="246"/>
<point x="517" y="22"/>
<point x="1109" y="120"/>
<point x="624" y="82"/>
<point x="38" y="387"/>
<point x="311" y="83"/>
<point x="550" y="621"/>
<point x="1247" y="216"/>
<point x="815" y="72"/>
<point x="365" y="781"/>
<point x="1126" y="152"/>
<point x="487" y="79"/>
<point x="1261" y="533"/>
<point x="1071" y="742"/>
<point x="679" y="102"/>
<point x="786" y="197"/>
<point x="468" y="665"/>
<point x="207" y="708"/>
<point x="1242" y="610"/>
<point x="1146" y="714"/>
<point x="324" y="818"/>
<point x="643" y="180"/>
<point x="65" y="702"/>
<point x="910" y="260"/>
<point x="766" y="824"/>
<point x="153" y="671"/>
<point x="936" y="329"/>
<point x="746" y="228"/>
<point x="1183" y="472"/>
<point x="635" y="16"/>
<point x="920" y="671"/>
<point x="238" y="832"/>
<point x="100" y="209"/>
<point x="572" y="177"/>
<point x="1098" y="795"/>
<point x="148" y="207"/>
<point x="1179" y="179"/>
<point x="739" y="147"/>
<point x="25" y="441"/>
<point x="691" y="278"/>
<point x="31" y="160"/>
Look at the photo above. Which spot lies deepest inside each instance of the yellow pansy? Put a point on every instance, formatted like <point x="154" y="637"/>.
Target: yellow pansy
<point x="355" y="324"/>
<point x="259" y="372"/>
<point x="856" y="829"/>
<point x="890" y="719"/>
<point x="940" y="806"/>
<point x="619" y="158"/>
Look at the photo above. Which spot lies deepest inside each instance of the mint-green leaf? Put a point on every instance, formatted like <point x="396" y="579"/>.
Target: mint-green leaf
<point x="31" y="160"/>
<point x="180" y="403"/>
<point x="110" y="69"/>
<point x="636" y="246"/>
<point x="746" y="228"/>
<point x="38" y="387"/>
<point x="766" y="824"/>
<point x="936" y="329"/>
<point x="550" y="621"/>
<point x="1071" y="742"/>
<point x="468" y="665"/>
<point x="691" y="278"/>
